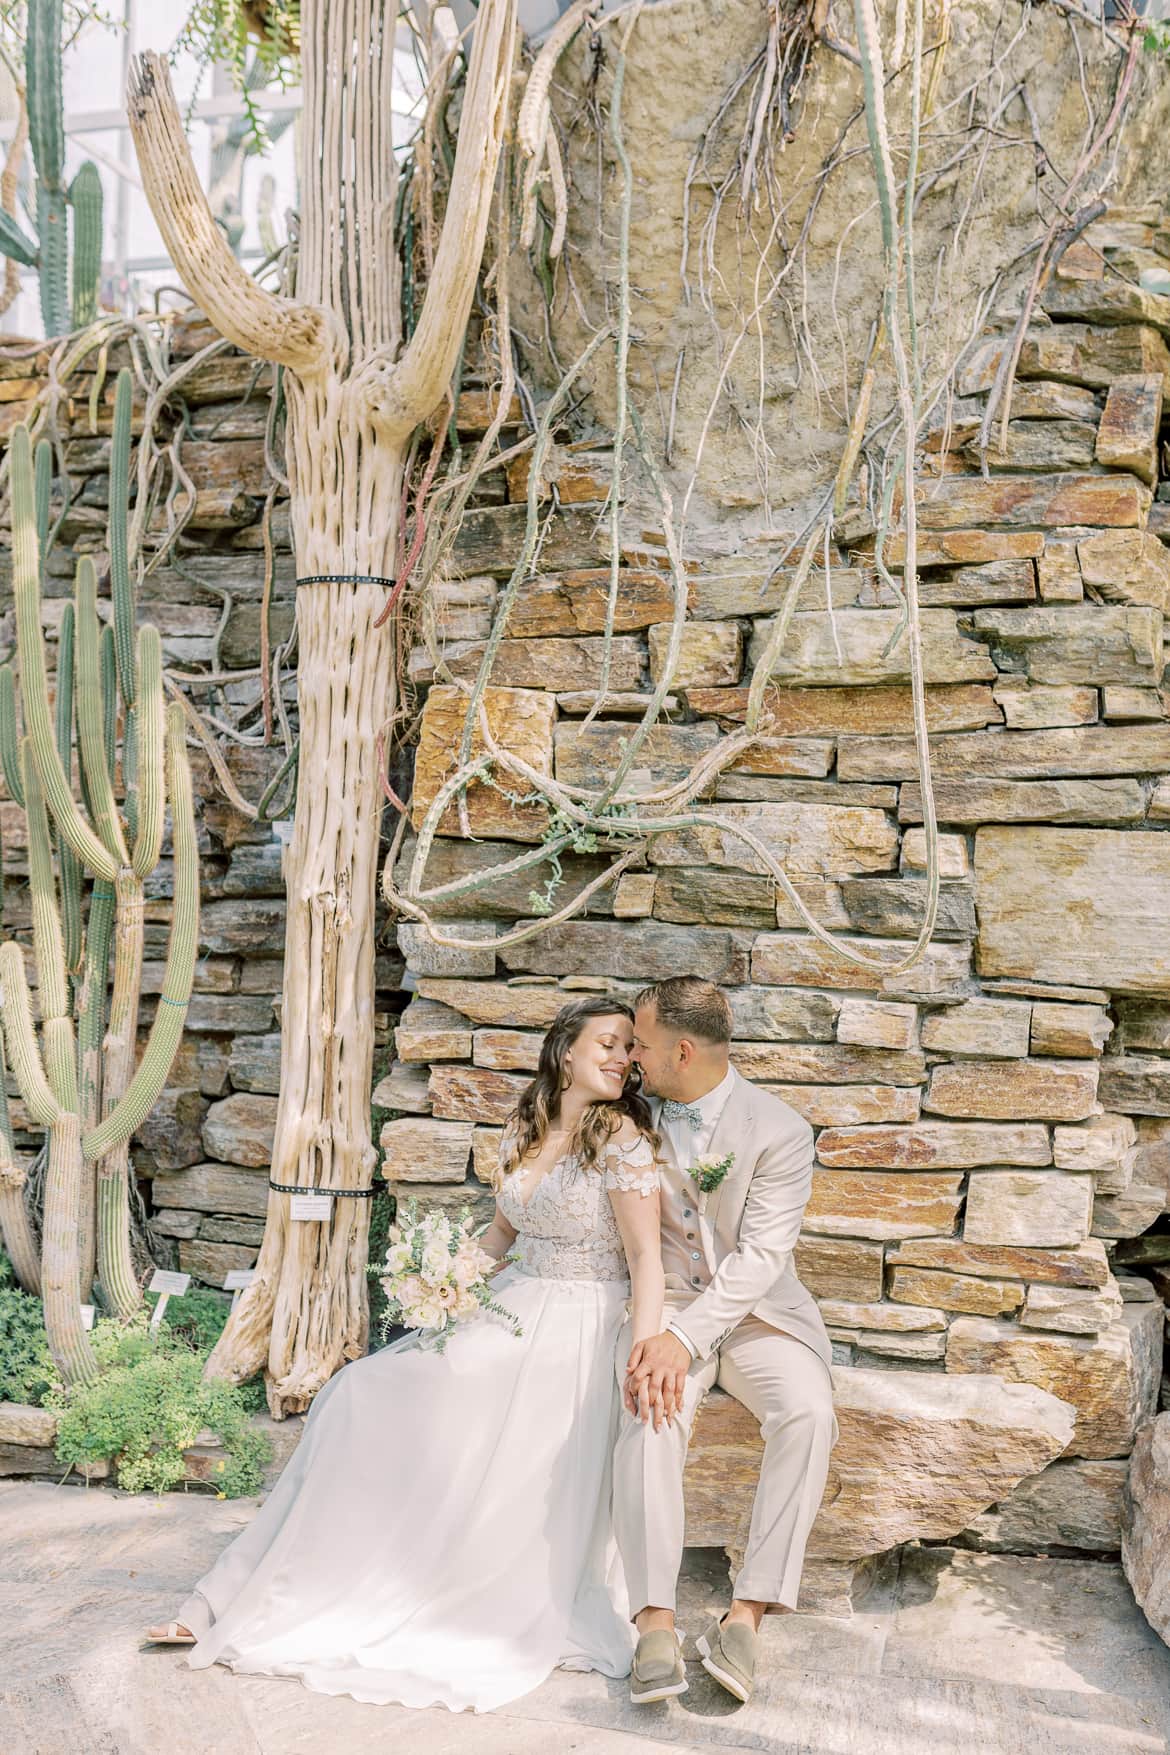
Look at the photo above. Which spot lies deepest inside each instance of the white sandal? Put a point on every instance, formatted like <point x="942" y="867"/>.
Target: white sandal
<point x="171" y="1636"/>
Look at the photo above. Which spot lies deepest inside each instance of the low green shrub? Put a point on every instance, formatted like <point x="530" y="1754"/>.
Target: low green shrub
<point x="27" y="1372"/>
<point x="145" y="1407"/>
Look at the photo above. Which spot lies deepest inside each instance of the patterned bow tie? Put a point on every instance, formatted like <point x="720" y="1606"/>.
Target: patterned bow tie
<point x="672" y="1111"/>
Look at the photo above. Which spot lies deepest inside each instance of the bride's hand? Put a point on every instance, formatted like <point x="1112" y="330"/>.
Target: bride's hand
<point x="659" y="1363"/>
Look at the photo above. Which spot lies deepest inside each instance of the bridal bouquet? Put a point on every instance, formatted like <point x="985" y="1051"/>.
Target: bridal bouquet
<point x="435" y="1276"/>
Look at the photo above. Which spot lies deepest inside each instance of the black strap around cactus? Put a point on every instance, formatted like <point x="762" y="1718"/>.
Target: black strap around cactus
<point x="340" y="1193"/>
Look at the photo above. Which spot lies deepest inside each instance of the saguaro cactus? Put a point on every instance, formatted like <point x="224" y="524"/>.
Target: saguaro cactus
<point x="49" y="251"/>
<point x="82" y="1080"/>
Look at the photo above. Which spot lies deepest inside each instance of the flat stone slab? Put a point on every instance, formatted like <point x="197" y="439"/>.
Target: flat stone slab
<point x="991" y="1652"/>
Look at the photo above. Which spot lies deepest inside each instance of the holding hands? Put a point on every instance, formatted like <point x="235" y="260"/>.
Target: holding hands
<point x="656" y="1374"/>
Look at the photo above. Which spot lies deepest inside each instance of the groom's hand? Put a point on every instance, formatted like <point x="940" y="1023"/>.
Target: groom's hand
<point x="656" y="1375"/>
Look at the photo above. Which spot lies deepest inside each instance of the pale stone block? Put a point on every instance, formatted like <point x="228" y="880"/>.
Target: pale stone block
<point x="1074" y="1030"/>
<point x="1104" y="1145"/>
<point x="405" y="1087"/>
<point x="813" y="840"/>
<point x="838" y="1267"/>
<point x="877" y="1023"/>
<point x="1028" y="1207"/>
<point x="1110" y="1379"/>
<point x="1128" y="1214"/>
<point x="853" y="648"/>
<point x="849" y="1105"/>
<point x="827" y="1063"/>
<point x="995" y="1027"/>
<point x="975" y="802"/>
<point x="710" y="655"/>
<point x="485" y="1152"/>
<point x="892" y="1318"/>
<point x="213" y="1188"/>
<point x="1127" y="437"/>
<point x="1077" y="642"/>
<point x="981" y="1437"/>
<point x="507" y="1050"/>
<point x="241" y="1129"/>
<point x="425" y="1150"/>
<point x="912" y="1347"/>
<point x="952" y="854"/>
<point x="793" y="960"/>
<point x="1058" y="573"/>
<point x="1070" y="1309"/>
<point x="1052" y="1090"/>
<point x="1086" y="906"/>
<point x="520" y="721"/>
<point x="633" y="898"/>
<point x="1044" y="706"/>
<point x="936" y="1145"/>
<point x="966" y="1293"/>
<point x="1125" y="566"/>
<point x="426" y="956"/>
<point x="846" y="1203"/>
<point x="212" y="1262"/>
<point x="429" y="1031"/>
<point x="608" y="949"/>
<point x="1135" y="1082"/>
<point x="531" y="1005"/>
<point x="1086" y="1265"/>
<point x="1126" y="701"/>
<point x="1145" y="1550"/>
<point x="472" y="1093"/>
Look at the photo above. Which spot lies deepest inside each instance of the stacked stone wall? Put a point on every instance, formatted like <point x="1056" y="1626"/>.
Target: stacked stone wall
<point x="992" y="1126"/>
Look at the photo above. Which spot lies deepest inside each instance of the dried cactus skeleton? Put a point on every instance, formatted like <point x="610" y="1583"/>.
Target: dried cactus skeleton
<point x="84" y="1082"/>
<point x="355" y="394"/>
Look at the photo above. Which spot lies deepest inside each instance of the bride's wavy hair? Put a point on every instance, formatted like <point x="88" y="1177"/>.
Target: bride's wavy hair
<point x="540" y="1102"/>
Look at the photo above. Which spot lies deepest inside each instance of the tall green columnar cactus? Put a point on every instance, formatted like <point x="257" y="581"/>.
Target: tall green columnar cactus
<point x="49" y="251"/>
<point x="85" y="199"/>
<point x="102" y="1096"/>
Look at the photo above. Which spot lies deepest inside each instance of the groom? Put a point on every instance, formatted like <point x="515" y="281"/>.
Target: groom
<point x="737" y="1316"/>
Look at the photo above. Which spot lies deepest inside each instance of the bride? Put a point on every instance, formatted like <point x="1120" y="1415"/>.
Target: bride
<point x="442" y="1534"/>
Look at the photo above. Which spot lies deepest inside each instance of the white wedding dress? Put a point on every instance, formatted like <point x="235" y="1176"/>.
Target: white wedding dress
<point x="442" y="1534"/>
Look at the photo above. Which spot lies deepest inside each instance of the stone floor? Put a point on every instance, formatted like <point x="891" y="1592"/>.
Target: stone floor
<point x="951" y="1654"/>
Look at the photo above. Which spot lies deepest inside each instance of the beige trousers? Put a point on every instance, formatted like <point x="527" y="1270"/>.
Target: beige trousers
<point x="789" y="1390"/>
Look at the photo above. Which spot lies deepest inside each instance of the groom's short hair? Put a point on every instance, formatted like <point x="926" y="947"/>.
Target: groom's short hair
<point x="690" y="1006"/>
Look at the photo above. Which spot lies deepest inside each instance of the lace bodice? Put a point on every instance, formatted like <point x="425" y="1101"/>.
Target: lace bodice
<point x="567" y="1229"/>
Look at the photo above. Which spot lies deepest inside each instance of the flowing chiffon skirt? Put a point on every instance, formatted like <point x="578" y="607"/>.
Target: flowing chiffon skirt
<point x="442" y="1534"/>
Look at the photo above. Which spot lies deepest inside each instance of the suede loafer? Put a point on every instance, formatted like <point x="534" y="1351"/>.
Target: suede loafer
<point x="727" y="1652"/>
<point x="657" y="1671"/>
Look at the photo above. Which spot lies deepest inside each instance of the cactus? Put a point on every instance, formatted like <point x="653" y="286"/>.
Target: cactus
<point x="48" y="253"/>
<point x="85" y="198"/>
<point x="79" y="1080"/>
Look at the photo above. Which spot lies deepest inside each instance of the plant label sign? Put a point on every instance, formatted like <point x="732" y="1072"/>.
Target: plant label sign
<point x="310" y="1208"/>
<point x="163" y="1280"/>
<point x="167" y="1285"/>
<point x="87" y="1315"/>
<point x="235" y="1280"/>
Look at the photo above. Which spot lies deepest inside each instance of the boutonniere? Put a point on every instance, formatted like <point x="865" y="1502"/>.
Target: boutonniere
<point x="707" y="1177"/>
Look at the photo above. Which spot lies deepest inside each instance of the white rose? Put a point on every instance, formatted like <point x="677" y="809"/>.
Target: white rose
<point x="436" y="1262"/>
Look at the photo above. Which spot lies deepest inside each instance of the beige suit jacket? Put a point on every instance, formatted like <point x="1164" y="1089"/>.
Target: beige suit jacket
<point x="750" y="1223"/>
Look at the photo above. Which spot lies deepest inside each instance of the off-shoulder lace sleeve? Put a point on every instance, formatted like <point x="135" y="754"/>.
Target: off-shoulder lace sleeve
<point x="631" y="1168"/>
